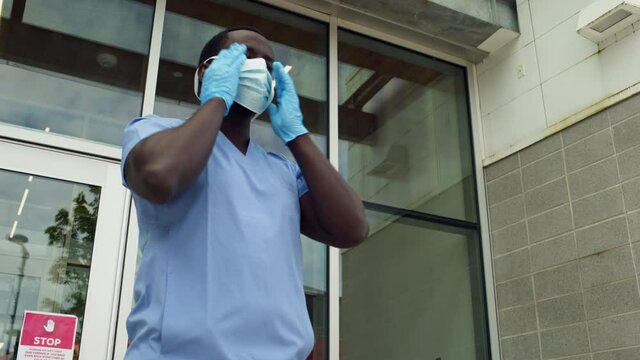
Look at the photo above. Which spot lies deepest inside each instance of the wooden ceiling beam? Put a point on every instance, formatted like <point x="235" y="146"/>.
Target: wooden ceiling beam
<point x="17" y="10"/>
<point x="367" y="91"/>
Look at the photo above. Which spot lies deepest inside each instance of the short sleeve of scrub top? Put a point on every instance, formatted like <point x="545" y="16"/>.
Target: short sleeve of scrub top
<point x="141" y="128"/>
<point x="295" y="171"/>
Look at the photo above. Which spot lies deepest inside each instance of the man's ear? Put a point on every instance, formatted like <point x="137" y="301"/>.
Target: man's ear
<point x="201" y="70"/>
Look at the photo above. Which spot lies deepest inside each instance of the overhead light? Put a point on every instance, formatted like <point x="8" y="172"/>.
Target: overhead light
<point x="604" y="19"/>
<point x="24" y="200"/>
<point x="107" y="60"/>
<point x="13" y="229"/>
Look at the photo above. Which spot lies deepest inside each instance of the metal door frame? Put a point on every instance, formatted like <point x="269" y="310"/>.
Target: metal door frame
<point x="105" y="274"/>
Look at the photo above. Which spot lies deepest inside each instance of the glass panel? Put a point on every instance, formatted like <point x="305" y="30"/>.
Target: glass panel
<point x="298" y="42"/>
<point x="47" y="228"/>
<point x="412" y="291"/>
<point x="89" y="69"/>
<point x="404" y="129"/>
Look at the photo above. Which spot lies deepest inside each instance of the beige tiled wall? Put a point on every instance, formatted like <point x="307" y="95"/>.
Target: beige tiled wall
<point x="564" y="73"/>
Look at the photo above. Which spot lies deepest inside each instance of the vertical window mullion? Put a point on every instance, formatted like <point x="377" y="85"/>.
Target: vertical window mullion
<point x="334" y="253"/>
<point x="153" y="65"/>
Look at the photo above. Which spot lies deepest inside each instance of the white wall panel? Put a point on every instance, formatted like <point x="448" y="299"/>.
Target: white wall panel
<point x="547" y="14"/>
<point x="525" y="38"/>
<point x="561" y="48"/>
<point x="501" y="84"/>
<point x="573" y="90"/>
<point x="514" y="122"/>
<point x="572" y="73"/>
<point x="620" y="63"/>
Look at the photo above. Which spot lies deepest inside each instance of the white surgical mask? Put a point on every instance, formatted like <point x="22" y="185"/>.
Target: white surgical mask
<point x="255" y="88"/>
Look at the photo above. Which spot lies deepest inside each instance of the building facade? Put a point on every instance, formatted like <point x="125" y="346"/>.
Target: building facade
<point x="494" y="147"/>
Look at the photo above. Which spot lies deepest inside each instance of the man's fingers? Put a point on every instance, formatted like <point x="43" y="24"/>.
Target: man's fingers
<point x="283" y="80"/>
<point x="279" y="73"/>
<point x="237" y="48"/>
<point x="239" y="61"/>
<point x="273" y="110"/>
<point x="232" y="53"/>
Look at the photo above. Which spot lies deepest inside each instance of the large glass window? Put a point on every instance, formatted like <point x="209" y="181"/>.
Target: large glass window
<point x="298" y="42"/>
<point x="404" y="129"/>
<point x="413" y="289"/>
<point x="47" y="230"/>
<point x="75" y="68"/>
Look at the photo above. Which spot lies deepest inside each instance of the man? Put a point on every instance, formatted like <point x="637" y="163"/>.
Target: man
<point x="220" y="219"/>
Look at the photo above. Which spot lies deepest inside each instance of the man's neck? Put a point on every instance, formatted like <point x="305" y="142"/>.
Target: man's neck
<point x="238" y="131"/>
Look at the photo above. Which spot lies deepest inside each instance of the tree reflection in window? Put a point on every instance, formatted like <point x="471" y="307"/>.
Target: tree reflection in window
<point x="75" y="234"/>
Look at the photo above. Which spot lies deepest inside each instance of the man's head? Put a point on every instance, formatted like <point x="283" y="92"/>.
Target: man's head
<point x="257" y="47"/>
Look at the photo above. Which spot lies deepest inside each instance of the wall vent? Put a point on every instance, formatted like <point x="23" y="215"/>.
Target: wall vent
<point x="604" y="19"/>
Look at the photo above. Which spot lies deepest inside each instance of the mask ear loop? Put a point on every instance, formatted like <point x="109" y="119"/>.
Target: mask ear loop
<point x="196" y="82"/>
<point x="196" y="79"/>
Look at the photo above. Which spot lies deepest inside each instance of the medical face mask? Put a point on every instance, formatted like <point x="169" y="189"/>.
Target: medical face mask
<point x="255" y="87"/>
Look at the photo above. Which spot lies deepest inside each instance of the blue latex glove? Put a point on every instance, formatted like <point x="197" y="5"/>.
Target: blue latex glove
<point x="222" y="76"/>
<point x="286" y="117"/>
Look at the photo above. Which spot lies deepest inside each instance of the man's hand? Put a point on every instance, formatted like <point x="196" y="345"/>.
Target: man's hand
<point x="286" y="117"/>
<point x="222" y="77"/>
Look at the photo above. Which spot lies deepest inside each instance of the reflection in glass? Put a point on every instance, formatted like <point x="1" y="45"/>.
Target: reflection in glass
<point x="48" y="228"/>
<point x="89" y="69"/>
<point x="412" y="291"/>
<point x="404" y="128"/>
<point x="298" y="42"/>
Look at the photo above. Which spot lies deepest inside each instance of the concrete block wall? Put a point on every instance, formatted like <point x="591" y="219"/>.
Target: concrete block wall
<point x="565" y="233"/>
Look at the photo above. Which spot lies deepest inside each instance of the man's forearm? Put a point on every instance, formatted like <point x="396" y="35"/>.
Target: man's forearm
<point x="338" y="208"/>
<point x="165" y="164"/>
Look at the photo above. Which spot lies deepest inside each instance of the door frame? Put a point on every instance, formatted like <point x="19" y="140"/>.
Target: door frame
<point x="130" y="232"/>
<point x="98" y="332"/>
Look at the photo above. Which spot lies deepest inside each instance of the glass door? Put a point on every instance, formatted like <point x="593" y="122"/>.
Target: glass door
<point x="61" y="219"/>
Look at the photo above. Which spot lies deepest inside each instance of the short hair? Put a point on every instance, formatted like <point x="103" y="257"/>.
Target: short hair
<point x="217" y="43"/>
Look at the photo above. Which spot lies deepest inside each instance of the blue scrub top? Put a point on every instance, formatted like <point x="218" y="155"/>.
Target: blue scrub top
<point x="220" y="275"/>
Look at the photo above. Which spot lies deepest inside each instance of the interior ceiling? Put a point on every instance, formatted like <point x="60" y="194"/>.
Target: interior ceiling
<point x="70" y="55"/>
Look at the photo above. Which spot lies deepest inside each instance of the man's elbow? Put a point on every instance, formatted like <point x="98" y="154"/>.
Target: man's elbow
<point x="355" y="236"/>
<point x="158" y="185"/>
